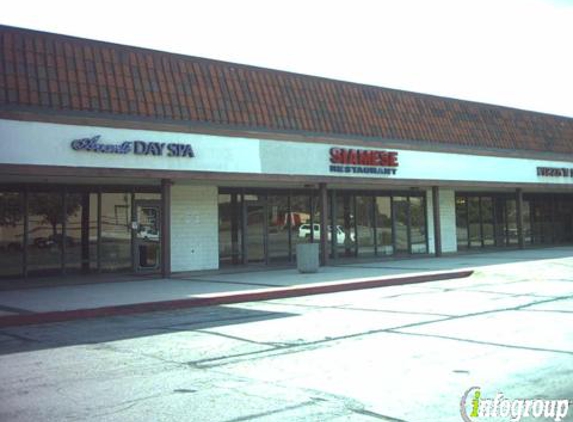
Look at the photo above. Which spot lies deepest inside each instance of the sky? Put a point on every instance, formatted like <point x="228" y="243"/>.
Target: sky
<point x="516" y="53"/>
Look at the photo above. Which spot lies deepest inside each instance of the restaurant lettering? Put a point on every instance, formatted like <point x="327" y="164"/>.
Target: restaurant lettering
<point x="363" y="161"/>
<point x="555" y="171"/>
<point x="94" y="144"/>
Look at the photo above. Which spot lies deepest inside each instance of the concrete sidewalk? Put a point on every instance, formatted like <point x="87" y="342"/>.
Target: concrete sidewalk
<point x="59" y="303"/>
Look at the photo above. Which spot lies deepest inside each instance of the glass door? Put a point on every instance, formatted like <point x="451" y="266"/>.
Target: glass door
<point x="280" y="223"/>
<point x="401" y="213"/>
<point x="147" y="235"/>
<point x="344" y="228"/>
<point x="255" y="232"/>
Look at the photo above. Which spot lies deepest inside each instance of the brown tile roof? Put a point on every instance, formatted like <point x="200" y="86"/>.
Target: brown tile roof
<point x="41" y="71"/>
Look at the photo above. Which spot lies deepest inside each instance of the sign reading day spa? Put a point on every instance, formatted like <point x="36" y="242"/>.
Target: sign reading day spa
<point x="94" y="144"/>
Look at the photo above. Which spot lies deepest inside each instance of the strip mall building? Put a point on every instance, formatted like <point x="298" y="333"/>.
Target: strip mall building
<point x="115" y="158"/>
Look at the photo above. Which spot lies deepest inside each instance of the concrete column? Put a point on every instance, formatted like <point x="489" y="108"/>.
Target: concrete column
<point x="166" y="228"/>
<point x="437" y="221"/>
<point x="323" y="224"/>
<point x="519" y="202"/>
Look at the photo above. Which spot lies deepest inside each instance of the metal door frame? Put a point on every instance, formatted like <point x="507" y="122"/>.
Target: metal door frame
<point x="155" y="203"/>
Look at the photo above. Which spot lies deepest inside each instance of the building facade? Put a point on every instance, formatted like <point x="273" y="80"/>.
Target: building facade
<point x="117" y="158"/>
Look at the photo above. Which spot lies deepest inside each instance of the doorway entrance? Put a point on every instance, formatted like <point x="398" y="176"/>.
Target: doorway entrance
<point x="147" y="238"/>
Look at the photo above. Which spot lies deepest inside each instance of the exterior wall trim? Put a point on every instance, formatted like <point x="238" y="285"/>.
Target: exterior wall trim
<point x="141" y="123"/>
<point x="154" y="177"/>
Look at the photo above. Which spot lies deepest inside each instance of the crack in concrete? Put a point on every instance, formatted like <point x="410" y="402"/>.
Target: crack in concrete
<point x="377" y="415"/>
<point x="124" y="406"/>
<point x="19" y="337"/>
<point x="254" y="416"/>
<point x="487" y="343"/>
<point x="349" y="308"/>
<point x="301" y="347"/>
<point x="246" y="340"/>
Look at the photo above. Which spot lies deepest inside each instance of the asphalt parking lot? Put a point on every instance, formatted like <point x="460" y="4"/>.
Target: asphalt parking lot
<point x="397" y="353"/>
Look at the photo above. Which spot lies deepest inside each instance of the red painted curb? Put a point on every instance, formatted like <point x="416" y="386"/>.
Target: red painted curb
<point x="223" y="299"/>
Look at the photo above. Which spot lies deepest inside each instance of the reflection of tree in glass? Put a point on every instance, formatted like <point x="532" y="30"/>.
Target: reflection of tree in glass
<point x="50" y="207"/>
<point x="11" y="209"/>
<point x="473" y="210"/>
<point x="417" y="215"/>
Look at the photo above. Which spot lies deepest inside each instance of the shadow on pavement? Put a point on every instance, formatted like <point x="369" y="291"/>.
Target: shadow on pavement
<point x="110" y="329"/>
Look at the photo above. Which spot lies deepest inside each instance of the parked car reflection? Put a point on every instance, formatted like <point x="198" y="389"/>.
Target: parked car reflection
<point x="304" y="232"/>
<point x="54" y="239"/>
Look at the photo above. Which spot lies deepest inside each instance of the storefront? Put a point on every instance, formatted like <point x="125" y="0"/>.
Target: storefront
<point x="53" y="229"/>
<point x="488" y="220"/>
<point x="264" y="226"/>
<point x="126" y="160"/>
<point x="195" y="218"/>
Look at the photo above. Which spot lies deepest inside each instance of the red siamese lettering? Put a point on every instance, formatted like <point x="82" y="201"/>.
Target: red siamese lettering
<point x="363" y="157"/>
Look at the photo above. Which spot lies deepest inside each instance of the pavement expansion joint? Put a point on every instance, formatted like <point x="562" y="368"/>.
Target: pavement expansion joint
<point x="377" y="415"/>
<point x="11" y="309"/>
<point x="481" y="342"/>
<point x="242" y="283"/>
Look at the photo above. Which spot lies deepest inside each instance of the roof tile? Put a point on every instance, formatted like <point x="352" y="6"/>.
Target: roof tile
<point x="59" y="72"/>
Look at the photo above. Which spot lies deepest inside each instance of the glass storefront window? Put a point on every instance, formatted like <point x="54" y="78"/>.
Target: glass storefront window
<point x="93" y="231"/>
<point x="11" y="233"/>
<point x="541" y="220"/>
<point x="418" y="225"/>
<point x="345" y="225"/>
<point x="487" y="221"/>
<point x="365" y="231"/>
<point x="63" y="231"/>
<point x="383" y="212"/>
<point x="547" y="219"/>
<point x="115" y="231"/>
<point x="279" y="226"/>
<point x="492" y="220"/>
<point x="401" y="223"/>
<point x="462" y="222"/>
<point x="75" y="234"/>
<point x="230" y="228"/>
<point x="46" y="214"/>
<point x="511" y="221"/>
<point x="526" y="222"/>
<point x="566" y="218"/>
<point x="358" y="225"/>
<point x="147" y="196"/>
<point x="302" y="229"/>
<point x="563" y="220"/>
<point x="255" y="220"/>
<point x="474" y="222"/>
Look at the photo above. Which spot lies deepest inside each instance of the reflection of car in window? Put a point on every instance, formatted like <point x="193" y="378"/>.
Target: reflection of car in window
<point x="54" y="239"/>
<point x="11" y="246"/>
<point x="304" y="232"/>
<point x="147" y="233"/>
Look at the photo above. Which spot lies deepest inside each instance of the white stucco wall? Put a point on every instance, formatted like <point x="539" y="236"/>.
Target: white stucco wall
<point x="194" y="228"/>
<point x="447" y="220"/>
<point x="50" y="144"/>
